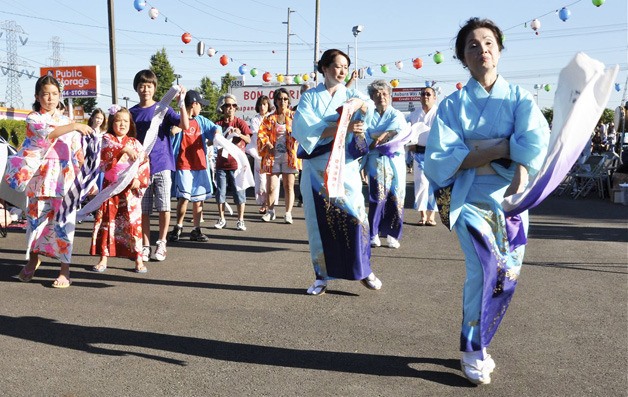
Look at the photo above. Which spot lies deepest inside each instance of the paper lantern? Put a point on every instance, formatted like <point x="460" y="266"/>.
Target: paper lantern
<point x="306" y="77"/>
<point x="547" y="87"/>
<point x="267" y="77"/>
<point x="384" y="68"/>
<point x="153" y="13"/>
<point x="347" y="78"/>
<point x="211" y="52"/>
<point x="399" y="65"/>
<point x="427" y="83"/>
<point x="617" y="87"/>
<point x="535" y="25"/>
<point x="280" y="78"/>
<point x="598" y="3"/>
<point x="186" y="38"/>
<point x="394" y="83"/>
<point x="224" y="60"/>
<point x="313" y="75"/>
<point x="369" y="71"/>
<point x="139" y="4"/>
<point x="200" y="49"/>
<point x="243" y="69"/>
<point x="538" y="86"/>
<point x="417" y="63"/>
<point x="253" y="72"/>
<point x="297" y="79"/>
<point x="564" y="14"/>
<point x="289" y="79"/>
<point x="458" y="85"/>
<point x="438" y="57"/>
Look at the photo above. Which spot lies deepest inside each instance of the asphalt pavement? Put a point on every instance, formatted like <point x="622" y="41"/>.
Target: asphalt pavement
<point x="230" y="317"/>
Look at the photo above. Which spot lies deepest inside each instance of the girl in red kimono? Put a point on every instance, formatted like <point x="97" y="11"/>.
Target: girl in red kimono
<point x="118" y="225"/>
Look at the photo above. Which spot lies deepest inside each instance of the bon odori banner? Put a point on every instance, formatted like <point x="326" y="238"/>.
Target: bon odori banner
<point x="248" y="95"/>
<point x="406" y="99"/>
<point x="78" y="81"/>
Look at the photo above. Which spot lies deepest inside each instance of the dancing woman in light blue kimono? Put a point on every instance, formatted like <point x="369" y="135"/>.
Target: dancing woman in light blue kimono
<point x="338" y="230"/>
<point x="386" y="133"/>
<point x="486" y="139"/>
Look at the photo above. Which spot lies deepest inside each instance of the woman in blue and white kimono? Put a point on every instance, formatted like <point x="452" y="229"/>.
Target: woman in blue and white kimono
<point x="338" y="229"/>
<point x="386" y="133"/>
<point x="486" y="140"/>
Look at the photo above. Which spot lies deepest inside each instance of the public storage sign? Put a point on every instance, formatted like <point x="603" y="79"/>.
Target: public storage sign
<point x="78" y="81"/>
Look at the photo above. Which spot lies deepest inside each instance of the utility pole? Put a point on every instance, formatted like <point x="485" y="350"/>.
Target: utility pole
<point x="316" y="37"/>
<point x="112" y="53"/>
<point x="288" y="42"/>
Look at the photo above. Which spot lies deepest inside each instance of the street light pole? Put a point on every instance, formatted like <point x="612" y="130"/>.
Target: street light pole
<point x="177" y="76"/>
<point x="126" y="100"/>
<point x="356" y="31"/>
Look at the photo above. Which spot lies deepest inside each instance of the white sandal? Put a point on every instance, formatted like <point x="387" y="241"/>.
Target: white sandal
<point x="318" y="288"/>
<point x="372" y="282"/>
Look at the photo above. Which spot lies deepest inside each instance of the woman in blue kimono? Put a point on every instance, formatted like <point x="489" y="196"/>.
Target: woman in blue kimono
<point x="338" y="230"/>
<point x="486" y="139"/>
<point x="386" y="134"/>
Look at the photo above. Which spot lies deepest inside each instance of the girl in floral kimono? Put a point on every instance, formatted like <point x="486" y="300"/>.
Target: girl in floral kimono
<point x="118" y="225"/>
<point x="486" y="139"/>
<point x="46" y="233"/>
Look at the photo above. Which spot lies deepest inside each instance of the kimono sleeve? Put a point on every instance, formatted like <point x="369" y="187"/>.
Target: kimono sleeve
<point x="529" y="141"/>
<point x="263" y="134"/>
<point x="445" y="149"/>
<point x="308" y="125"/>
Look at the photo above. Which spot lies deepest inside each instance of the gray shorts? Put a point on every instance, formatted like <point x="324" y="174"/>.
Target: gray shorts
<point x="280" y="166"/>
<point x="158" y="193"/>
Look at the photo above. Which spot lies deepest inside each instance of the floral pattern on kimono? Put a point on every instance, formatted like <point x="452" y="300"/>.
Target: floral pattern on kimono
<point x="118" y="223"/>
<point x="46" y="236"/>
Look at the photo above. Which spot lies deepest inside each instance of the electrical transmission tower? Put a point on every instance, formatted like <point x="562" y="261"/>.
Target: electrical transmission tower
<point x="55" y="59"/>
<point x="11" y="70"/>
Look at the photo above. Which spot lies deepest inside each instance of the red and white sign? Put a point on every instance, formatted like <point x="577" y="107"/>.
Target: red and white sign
<point x="77" y="81"/>
<point x="247" y="97"/>
<point x="406" y="99"/>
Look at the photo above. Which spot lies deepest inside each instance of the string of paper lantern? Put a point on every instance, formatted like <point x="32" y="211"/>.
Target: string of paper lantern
<point x="564" y="13"/>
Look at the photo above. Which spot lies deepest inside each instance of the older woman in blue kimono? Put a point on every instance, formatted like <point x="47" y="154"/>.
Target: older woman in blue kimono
<point x="338" y="230"/>
<point x="386" y="133"/>
<point x="486" y="139"/>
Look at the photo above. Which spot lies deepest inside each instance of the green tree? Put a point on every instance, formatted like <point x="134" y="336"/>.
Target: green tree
<point x="607" y="116"/>
<point x="549" y="114"/>
<point x="89" y="104"/>
<point x="211" y="91"/>
<point x="160" y="65"/>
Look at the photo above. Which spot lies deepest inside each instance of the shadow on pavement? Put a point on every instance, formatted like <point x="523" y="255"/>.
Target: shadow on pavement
<point x="580" y="233"/>
<point x="94" y="339"/>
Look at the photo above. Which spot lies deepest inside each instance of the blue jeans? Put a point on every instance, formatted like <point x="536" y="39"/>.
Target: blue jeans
<point x="225" y="179"/>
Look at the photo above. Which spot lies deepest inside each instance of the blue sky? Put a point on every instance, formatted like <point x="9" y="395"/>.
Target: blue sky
<point x="252" y="32"/>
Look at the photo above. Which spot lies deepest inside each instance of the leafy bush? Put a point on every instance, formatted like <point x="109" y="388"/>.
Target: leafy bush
<point x="14" y="131"/>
